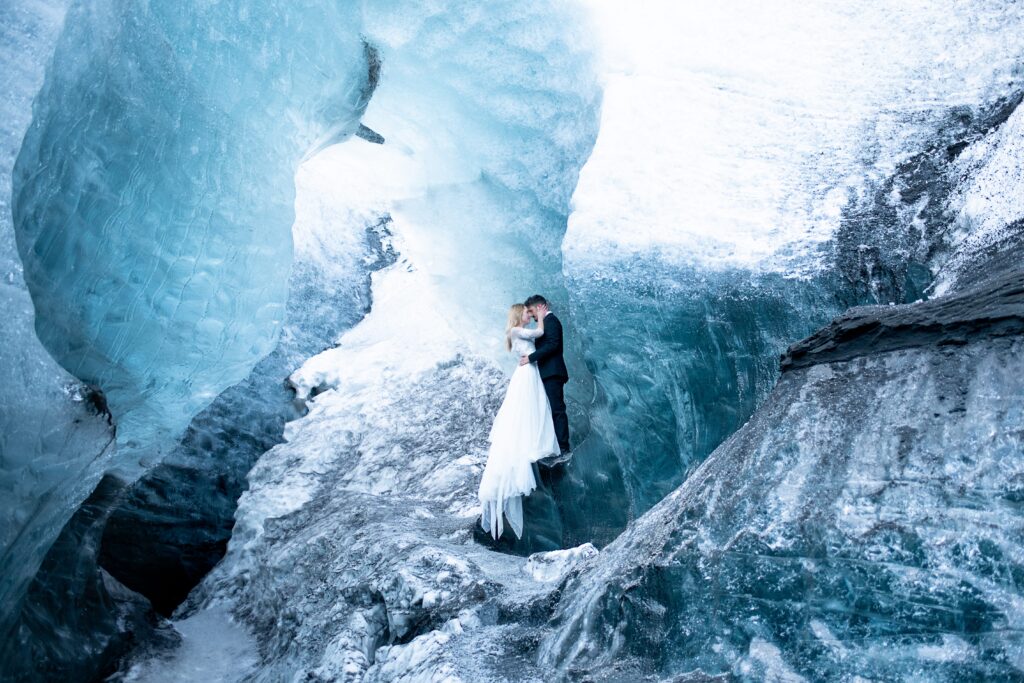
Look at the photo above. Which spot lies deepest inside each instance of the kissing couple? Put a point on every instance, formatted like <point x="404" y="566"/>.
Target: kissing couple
<point x="531" y="423"/>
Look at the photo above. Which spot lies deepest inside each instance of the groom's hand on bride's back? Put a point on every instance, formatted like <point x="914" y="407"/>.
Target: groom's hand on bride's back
<point x="523" y="360"/>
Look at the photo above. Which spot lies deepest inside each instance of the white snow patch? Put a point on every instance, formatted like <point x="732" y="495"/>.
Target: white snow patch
<point x="990" y="196"/>
<point x="772" y="667"/>
<point x="953" y="649"/>
<point x="555" y="564"/>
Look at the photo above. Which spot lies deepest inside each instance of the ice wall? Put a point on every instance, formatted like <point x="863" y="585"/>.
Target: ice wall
<point x="758" y="170"/>
<point x="52" y="443"/>
<point x="154" y="190"/>
<point x="488" y="113"/>
<point x="152" y="206"/>
<point x="863" y="523"/>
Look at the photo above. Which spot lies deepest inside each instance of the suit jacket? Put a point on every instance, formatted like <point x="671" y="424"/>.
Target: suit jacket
<point x="548" y="355"/>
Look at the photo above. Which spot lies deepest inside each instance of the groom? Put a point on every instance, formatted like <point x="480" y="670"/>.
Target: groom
<point x="551" y="365"/>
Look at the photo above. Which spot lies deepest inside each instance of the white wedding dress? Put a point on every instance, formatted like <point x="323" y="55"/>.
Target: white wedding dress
<point x="522" y="434"/>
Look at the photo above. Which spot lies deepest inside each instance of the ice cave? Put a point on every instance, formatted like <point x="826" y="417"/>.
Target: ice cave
<point x="255" y="263"/>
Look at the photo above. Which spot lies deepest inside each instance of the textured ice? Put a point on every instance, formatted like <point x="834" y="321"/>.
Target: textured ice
<point x="555" y="564"/>
<point x="988" y="202"/>
<point x="734" y="135"/>
<point x="865" y="522"/>
<point x="359" y="527"/>
<point x="153" y="194"/>
<point x="153" y="541"/>
<point x="757" y="171"/>
<point x="53" y="446"/>
<point x="152" y="202"/>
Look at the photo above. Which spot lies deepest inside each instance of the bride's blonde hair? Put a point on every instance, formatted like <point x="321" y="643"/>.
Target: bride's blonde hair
<point x="515" y="319"/>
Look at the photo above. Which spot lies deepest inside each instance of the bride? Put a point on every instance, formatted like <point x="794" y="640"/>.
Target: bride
<point x="522" y="433"/>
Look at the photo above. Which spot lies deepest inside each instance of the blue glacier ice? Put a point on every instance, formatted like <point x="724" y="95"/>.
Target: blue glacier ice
<point x="758" y="171"/>
<point x="172" y="153"/>
<point x="53" y="446"/>
<point x="88" y="193"/>
<point x="155" y="230"/>
<point x="697" y="187"/>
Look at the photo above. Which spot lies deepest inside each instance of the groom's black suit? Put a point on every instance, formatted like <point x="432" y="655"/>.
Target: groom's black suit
<point x="554" y="374"/>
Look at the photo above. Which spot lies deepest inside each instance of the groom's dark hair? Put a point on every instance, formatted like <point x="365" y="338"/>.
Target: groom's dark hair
<point x="537" y="299"/>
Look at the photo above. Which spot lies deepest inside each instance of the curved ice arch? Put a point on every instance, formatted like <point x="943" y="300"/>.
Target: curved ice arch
<point x="153" y="195"/>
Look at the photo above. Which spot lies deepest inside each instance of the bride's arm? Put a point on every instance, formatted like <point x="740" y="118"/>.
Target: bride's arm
<point x="525" y="333"/>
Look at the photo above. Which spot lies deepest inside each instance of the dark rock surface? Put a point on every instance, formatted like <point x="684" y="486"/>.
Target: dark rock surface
<point x="994" y="308"/>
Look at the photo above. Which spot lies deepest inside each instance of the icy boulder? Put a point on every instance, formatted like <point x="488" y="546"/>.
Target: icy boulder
<point x="865" y="522"/>
<point x="556" y="564"/>
<point x="153" y="194"/>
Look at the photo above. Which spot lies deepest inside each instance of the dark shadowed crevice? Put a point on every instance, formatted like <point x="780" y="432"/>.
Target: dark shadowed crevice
<point x="97" y="619"/>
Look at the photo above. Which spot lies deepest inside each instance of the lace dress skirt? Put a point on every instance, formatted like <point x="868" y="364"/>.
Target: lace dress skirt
<point x="522" y="434"/>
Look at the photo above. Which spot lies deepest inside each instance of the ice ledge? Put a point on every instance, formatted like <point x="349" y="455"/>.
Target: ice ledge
<point x="994" y="308"/>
